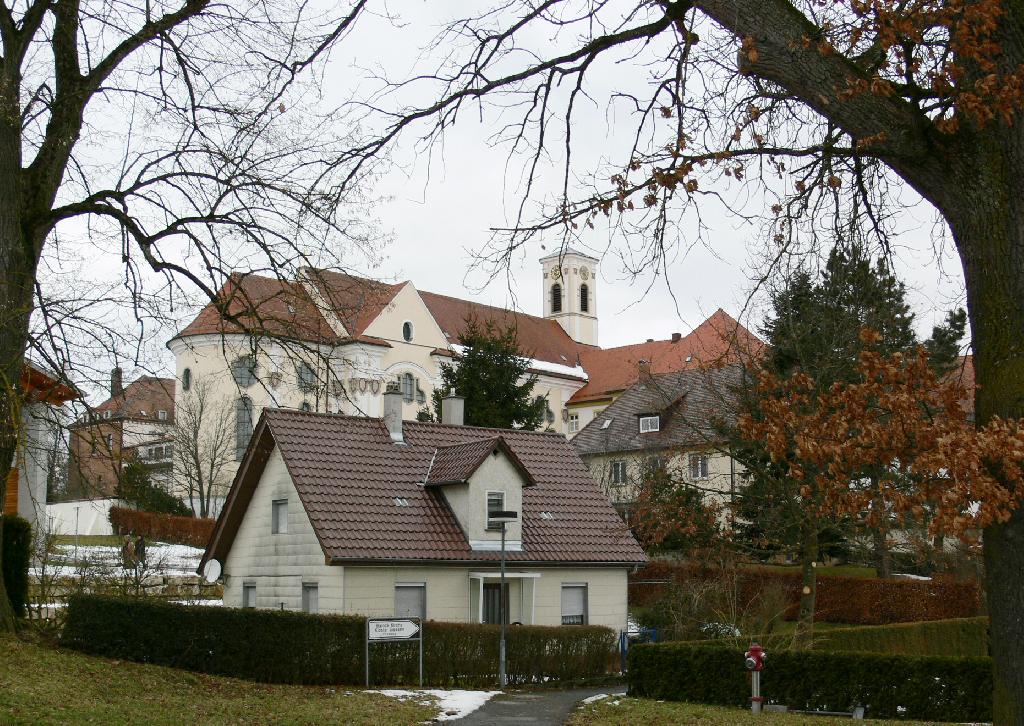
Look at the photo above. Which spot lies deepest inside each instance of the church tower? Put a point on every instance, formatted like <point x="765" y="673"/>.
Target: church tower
<point x="570" y="293"/>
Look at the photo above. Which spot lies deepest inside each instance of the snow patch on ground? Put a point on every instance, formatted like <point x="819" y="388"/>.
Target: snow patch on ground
<point x="169" y="560"/>
<point x="453" y="704"/>
<point x="908" y="576"/>
<point x="595" y="698"/>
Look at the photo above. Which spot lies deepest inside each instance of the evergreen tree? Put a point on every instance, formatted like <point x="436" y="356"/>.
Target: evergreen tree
<point x="136" y="488"/>
<point x="492" y="375"/>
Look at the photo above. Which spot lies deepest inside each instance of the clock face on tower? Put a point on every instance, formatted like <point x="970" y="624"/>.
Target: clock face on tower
<point x="556" y="273"/>
<point x="584" y="273"/>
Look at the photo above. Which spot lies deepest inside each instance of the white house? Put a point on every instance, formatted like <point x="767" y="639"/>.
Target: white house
<point x="379" y="516"/>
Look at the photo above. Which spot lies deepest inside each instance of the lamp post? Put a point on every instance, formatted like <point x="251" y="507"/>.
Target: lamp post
<point x="504" y="517"/>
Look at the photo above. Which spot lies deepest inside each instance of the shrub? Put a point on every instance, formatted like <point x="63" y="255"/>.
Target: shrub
<point x="958" y="637"/>
<point x="136" y="487"/>
<point x="17" y="552"/>
<point x="858" y="601"/>
<point x="163" y="527"/>
<point x="287" y="647"/>
<point x="930" y="688"/>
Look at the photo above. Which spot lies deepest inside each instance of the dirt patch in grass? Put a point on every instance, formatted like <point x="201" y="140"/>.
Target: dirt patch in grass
<point x="41" y="685"/>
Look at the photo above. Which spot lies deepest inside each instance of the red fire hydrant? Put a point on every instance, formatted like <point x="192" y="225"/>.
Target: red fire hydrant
<point x="755" y="664"/>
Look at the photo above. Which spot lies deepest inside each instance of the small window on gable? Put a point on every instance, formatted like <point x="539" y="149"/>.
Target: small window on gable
<point x="650" y="424"/>
<point x="279" y="516"/>
<point x="574" y="423"/>
<point x="556" y="298"/>
<point x="584" y="299"/>
<point x="407" y="331"/>
<point x="495" y="503"/>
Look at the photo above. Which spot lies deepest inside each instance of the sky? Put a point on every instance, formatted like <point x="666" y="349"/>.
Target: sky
<point x="438" y="206"/>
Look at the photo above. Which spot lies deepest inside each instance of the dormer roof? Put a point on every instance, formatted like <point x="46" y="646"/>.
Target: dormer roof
<point x="456" y="463"/>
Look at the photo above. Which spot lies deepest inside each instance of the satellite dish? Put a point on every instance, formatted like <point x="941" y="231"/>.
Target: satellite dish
<point x="211" y="570"/>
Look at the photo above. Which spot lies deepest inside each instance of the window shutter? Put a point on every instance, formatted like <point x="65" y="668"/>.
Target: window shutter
<point x="310" y="598"/>
<point x="410" y="601"/>
<point x="574" y="604"/>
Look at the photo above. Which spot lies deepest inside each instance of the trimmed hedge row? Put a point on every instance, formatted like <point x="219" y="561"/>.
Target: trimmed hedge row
<point x="276" y="646"/>
<point x="17" y="553"/>
<point x="193" y="531"/>
<point x="858" y="601"/>
<point x="957" y="637"/>
<point x="929" y="688"/>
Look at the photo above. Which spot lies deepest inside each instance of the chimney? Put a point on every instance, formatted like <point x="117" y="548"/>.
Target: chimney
<point x="676" y="337"/>
<point x="643" y="371"/>
<point x="116" y="383"/>
<point x="453" y="410"/>
<point x="393" y="411"/>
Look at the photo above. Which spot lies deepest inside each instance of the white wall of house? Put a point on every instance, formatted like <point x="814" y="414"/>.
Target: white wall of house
<point x="722" y="472"/>
<point x="279" y="564"/>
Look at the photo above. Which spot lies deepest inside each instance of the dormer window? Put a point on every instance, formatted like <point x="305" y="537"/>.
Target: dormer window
<point x="650" y="423"/>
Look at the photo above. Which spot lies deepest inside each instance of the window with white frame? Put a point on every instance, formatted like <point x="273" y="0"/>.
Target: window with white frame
<point x="574" y="423"/>
<point x="649" y="424"/>
<point x="408" y="387"/>
<point x="698" y="466"/>
<point x="411" y="600"/>
<point x="619" y="472"/>
<point x="574" y="604"/>
<point x="279" y="516"/>
<point x="495" y="503"/>
<point x="162" y="415"/>
<point x="310" y="597"/>
<point x="249" y="595"/>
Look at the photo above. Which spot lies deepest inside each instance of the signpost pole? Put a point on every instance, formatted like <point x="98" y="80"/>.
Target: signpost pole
<point x="502" y="614"/>
<point x="367" y="652"/>
<point x="420" y="621"/>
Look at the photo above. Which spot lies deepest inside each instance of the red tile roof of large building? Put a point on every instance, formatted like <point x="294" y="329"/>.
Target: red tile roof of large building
<point x="142" y="398"/>
<point x="366" y="499"/>
<point x="719" y="340"/>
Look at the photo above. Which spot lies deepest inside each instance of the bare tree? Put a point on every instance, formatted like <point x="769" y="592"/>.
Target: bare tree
<point x="203" y="441"/>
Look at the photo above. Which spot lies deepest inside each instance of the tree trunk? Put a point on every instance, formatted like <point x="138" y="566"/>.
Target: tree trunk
<point x="809" y="586"/>
<point x="883" y="558"/>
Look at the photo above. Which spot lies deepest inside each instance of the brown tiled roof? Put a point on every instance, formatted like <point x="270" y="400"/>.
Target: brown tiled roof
<point x="142" y="398"/>
<point x="456" y="463"/>
<point x="691" y="404"/>
<point x="365" y="497"/>
<point x="263" y="306"/>
<point x="718" y="340"/>
<point x="356" y="301"/>
<point x="539" y="338"/>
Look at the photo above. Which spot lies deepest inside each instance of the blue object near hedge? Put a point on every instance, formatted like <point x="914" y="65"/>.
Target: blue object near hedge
<point x="928" y="688"/>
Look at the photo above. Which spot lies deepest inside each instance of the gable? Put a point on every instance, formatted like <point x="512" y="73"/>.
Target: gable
<point x="407" y="306"/>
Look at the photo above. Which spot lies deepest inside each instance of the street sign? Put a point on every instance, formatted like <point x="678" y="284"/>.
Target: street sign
<point x="391" y="629"/>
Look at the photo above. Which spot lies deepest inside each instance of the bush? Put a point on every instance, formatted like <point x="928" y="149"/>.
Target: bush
<point x="17" y="552"/>
<point x="163" y="527"/>
<point x="958" y="637"/>
<point x="286" y="647"/>
<point x="947" y="689"/>
<point x="858" y="601"/>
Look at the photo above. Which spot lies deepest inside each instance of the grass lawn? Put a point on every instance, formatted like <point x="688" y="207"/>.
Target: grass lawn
<point x="41" y="685"/>
<point x="631" y="711"/>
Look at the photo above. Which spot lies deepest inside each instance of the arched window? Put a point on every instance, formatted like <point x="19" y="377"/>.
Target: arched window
<point x="243" y="426"/>
<point x="556" y="298"/>
<point x="407" y="332"/>
<point x="243" y="370"/>
<point x="408" y="387"/>
<point x="186" y="379"/>
<point x="584" y="299"/>
<point x="306" y="376"/>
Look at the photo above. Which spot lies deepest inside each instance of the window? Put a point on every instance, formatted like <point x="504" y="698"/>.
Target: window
<point x="494" y="608"/>
<point x="110" y="441"/>
<point x="306" y="376"/>
<point x="162" y="415"/>
<point x="243" y="426"/>
<point x="279" y="516"/>
<point x="698" y="466"/>
<point x="243" y="370"/>
<point x="556" y="298"/>
<point x="310" y="597"/>
<point x="407" y="331"/>
<point x="574" y="604"/>
<point x="411" y="600"/>
<point x="650" y="423"/>
<point x="249" y="595"/>
<point x="305" y="407"/>
<point x="584" y="299"/>
<point x="408" y="387"/>
<point x="186" y="379"/>
<point x="655" y="464"/>
<point x="619" y="472"/>
<point x="574" y="423"/>
<point x="495" y="503"/>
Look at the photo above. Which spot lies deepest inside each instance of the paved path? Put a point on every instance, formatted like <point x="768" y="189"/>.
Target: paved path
<point x="539" y="708"/>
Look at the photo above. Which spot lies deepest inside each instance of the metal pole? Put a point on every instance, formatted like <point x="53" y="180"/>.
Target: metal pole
<point x="420" y="621"/>
<point x="367" y="644"/>
<point x="755" y="695"/>
<point x="501" y="613"/>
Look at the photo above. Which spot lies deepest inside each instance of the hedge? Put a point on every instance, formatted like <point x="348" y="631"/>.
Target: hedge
<point x="857" y="601"/>
<point x="276" y="646"/>
<point x="928" y="688"/>
<point x="17" y="553"/>
<point x="957" y="637"/>
<point x="163" y="527"/>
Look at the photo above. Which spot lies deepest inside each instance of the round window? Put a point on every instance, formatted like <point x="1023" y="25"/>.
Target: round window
<point x="407" y="332"/>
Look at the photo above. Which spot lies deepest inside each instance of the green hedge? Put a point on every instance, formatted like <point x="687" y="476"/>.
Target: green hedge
<point x="929" y="688"/>
<point x="17" y="552"/>
<point x="956" y="637"/>
<point x="286" y="647"/>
